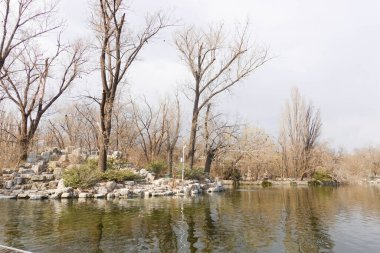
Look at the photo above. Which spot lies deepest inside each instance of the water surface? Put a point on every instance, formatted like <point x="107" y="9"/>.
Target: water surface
<point x="343" y="219"/>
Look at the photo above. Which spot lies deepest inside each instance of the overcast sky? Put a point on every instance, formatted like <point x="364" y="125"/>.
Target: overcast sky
<point x="328" y="49"/>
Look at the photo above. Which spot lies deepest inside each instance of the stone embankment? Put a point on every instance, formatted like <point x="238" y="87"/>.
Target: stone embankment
<point x="42" y="179"/>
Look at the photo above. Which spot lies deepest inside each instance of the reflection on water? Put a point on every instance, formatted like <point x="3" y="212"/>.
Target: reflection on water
<point x="344" y="219"/>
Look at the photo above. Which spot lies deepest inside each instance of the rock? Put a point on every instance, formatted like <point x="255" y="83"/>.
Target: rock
<point x="56" y="195"/>
<point x="38" y="197"/>
<point x="22" y="196"/>
<point x="28" y="165"/>
<point x="74" y="159"/>
<point x="102" y="190"/>
<point x="32" y="158"/>
<point x="26" y="171"/>
<point x="38" y="178"/>
<point x="100" y="195"/>
<point x="149" y="177"/>
<point x="26" y="176"/>
<point x="38" y="168"/>
<point x="111" y="196"/>
<point x="8" y="184"/>
<point x="148" y="194"/>
<point x="61" y="185"/>
<point x="63" y="159"/>
<point x="53" y="184"/>
<point x="8" y="171"/>
<point x="67" y="195"/>
<point x="143" y="172"/>
<point x="85" y="195"/>
<point x="124" y="192"/>
<point x="18" y="180"/>
<point x="8" y="196"/>
<point x="58" y="172"/>
<point x="45" y="156"/>
<point x="48" y="176"/>
<point x="53" y="164"/>
<point x="111" y="185"/>
<point x="129" y="183"/>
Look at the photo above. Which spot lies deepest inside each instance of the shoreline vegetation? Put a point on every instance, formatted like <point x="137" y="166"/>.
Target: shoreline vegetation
<point x="70" y="173"/>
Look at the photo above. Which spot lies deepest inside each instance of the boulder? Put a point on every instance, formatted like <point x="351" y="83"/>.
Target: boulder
<point x="38" y="168"/>
<point x="149" y="177"/>
<point x="22" y="196"/>
<point x="111" y="196"/>
<point x="129" y="183"/>
<point x="26" y="171"/>
<point x="38" y="178"/>
<point x="111" y="185"/>
<point x="38" y="196"/>
<point x="8" y="184"/>
<point x="61" y="185"/>
<point x="100" y="196"/>
<point x="85" y="195"/>
<point x="67" y="195"/>
<point x="101" y="190"/>
<point x="58" y="172"/>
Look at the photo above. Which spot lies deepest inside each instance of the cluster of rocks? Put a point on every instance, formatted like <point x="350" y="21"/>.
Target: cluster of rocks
<point x="111" y="190"/>
<point x="41" y="178"/>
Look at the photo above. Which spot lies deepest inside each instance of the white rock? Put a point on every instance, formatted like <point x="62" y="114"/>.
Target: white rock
<point x="67" y="195"/>
<point x="85" y="195"/>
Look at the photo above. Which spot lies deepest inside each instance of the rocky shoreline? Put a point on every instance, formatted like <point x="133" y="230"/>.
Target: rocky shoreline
<point x="112" y="189"/>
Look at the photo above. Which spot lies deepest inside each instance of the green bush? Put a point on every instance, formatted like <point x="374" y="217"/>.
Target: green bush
<point x="194" y="174"/>
<point x="87" y="175"/>
<point x="157" y="167"/>
<point x="266" y="184"/>
<point x="322" y="176"/>
<point x="119" y="175"/>
<point x="83" y="176"/>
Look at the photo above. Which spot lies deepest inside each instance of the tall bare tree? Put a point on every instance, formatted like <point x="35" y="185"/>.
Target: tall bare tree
<point x="172" y="129"/>
<point x="118" y="49"/>
<point x="34" y="81"/>
<point x="216" y="64"/>
<point x="151" y="125"/>
<point x="21" y="22"/>
<point x="300" y="133"/>
<point x="218" y="136"/>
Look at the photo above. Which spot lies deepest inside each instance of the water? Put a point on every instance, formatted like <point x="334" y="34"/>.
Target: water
<point x="344" y="219"/>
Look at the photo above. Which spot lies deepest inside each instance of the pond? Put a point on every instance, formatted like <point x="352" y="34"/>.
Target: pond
<point x="288" y="219"/>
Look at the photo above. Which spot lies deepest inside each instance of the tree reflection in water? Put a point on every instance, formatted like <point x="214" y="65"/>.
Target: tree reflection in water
<point x="247" y="220"/>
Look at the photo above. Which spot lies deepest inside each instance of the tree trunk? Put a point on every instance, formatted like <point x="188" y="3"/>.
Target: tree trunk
<point x="193" y="136"/>
<point x="209" y="158"/>
<point x="102" y="163"/>
<point x="24" y="148"/>
<point x="170" y="161"/>
<point x="23" y="139"/>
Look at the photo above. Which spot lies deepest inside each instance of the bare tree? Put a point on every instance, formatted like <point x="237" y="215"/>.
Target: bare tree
<point x="216" y="65"/>
<point x="34" y="82"/>
<point x="151" y="127"/>
<point x="173" y="127"/>
<point x="118" y="49"/>
<point x="21" y="22"/>
<point x="218" y="136"/>
<point x="299" y="135"/>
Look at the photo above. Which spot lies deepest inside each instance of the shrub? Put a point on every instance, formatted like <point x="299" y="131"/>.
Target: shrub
<point x="157" y="167"/>
<point x="266" y="184"/>
<point x="83" y="176"/>
<point x="195" y="174"/>
<point x="119" y="175"/>
<point x="322" y="176"/>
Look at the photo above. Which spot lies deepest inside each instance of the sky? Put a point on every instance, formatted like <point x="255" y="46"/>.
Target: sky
<point x="328" y="49"/>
